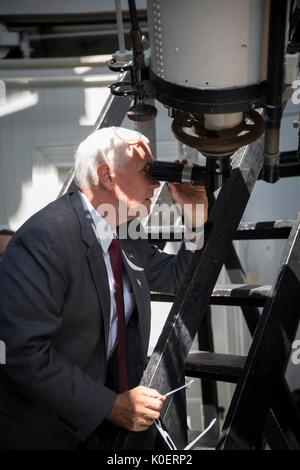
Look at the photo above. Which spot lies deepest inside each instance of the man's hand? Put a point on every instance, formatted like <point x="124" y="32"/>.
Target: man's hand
<point x="136" y="409"/>
<point x="193" y="197"/>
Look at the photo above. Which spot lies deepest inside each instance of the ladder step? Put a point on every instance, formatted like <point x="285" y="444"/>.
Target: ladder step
<point x="269" y="230"/>
<point x="241" y="294"/>
<point x="230" y="294"/>
<point x="264" y="230"/>
<point x="214" y="366"/>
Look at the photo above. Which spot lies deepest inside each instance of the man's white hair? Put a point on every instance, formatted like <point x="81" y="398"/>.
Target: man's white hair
<point x="109" y="145"/>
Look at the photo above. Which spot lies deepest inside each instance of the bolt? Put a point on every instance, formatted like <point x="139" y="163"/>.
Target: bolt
<point x="296" y="124"/>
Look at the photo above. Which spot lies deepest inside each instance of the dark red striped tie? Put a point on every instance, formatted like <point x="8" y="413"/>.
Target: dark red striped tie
<point x="117" y="267"/>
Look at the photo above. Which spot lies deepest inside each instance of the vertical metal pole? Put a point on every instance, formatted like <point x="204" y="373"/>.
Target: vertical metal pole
<point x="205" y="336"/>
<point x="120" y="25"/>
<point x="274" y="88"/>
<point x="208" y="387"/>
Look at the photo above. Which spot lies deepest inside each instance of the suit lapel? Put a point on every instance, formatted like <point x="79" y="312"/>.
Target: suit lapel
<point x="95" y="260"/>
<point x="99" y="274"/>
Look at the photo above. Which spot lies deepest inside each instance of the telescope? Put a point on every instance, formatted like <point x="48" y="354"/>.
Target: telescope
<point x="215" y="171"/>
<point x="220" y="68"/>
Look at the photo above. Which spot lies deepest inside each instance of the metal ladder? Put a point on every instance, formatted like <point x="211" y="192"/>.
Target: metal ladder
<point x="261" y="410"/>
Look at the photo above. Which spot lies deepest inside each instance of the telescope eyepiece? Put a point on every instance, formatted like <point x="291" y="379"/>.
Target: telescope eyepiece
<point x="177" y="172"/>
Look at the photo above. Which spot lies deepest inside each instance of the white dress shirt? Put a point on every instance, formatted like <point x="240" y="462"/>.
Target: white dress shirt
<point x="101" y="226"/>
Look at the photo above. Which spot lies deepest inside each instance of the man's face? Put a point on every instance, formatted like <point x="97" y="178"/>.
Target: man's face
<point x="132" y="180"/>
<point x="4" y="240"/>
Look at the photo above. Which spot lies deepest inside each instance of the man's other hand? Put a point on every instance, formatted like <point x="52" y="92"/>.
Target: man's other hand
<point x="192" y="199"/>
<point x="136" y="409"/>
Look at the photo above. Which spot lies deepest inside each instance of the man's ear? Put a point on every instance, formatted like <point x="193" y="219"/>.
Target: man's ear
<point x="105" y="175"/>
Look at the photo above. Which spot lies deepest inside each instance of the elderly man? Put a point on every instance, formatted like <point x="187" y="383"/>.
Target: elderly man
<point x="75" y="303"/>
<point x="5" y="237"/>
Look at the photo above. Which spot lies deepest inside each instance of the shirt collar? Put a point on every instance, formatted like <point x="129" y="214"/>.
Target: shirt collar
<point x="105" y="233"/>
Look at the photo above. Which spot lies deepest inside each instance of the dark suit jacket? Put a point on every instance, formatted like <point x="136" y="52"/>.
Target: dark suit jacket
<point x="54" y="320"/>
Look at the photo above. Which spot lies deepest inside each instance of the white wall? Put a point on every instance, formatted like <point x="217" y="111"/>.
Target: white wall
<point x="40" y="129"/>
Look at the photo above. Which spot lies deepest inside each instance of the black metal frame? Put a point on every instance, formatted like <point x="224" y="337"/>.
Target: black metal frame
<point x="276" y="427"/>
<point x="282" y="424"/>
<point x="274" y="88"/>
<point x="196" y="100"/>
<point x="209" y="389"/>
<point x="167" y="361"/>
<point x="289" y="164"/>
<point x="261" y="387"/>
<point x="273" y="229"/>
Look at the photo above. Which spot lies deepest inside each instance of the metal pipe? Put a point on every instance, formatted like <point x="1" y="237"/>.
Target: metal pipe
<point x="55" y="62"/>
<point x="75" y="34"/>
<point x="119" y="19"/>
<point x="39" y="37"/>
<point x="137" y="45"/>
<point x="133" y="15"/>
<point x="148" y="128"/>
<point x="88" y="81"/>
<point x="274" y="88"/>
